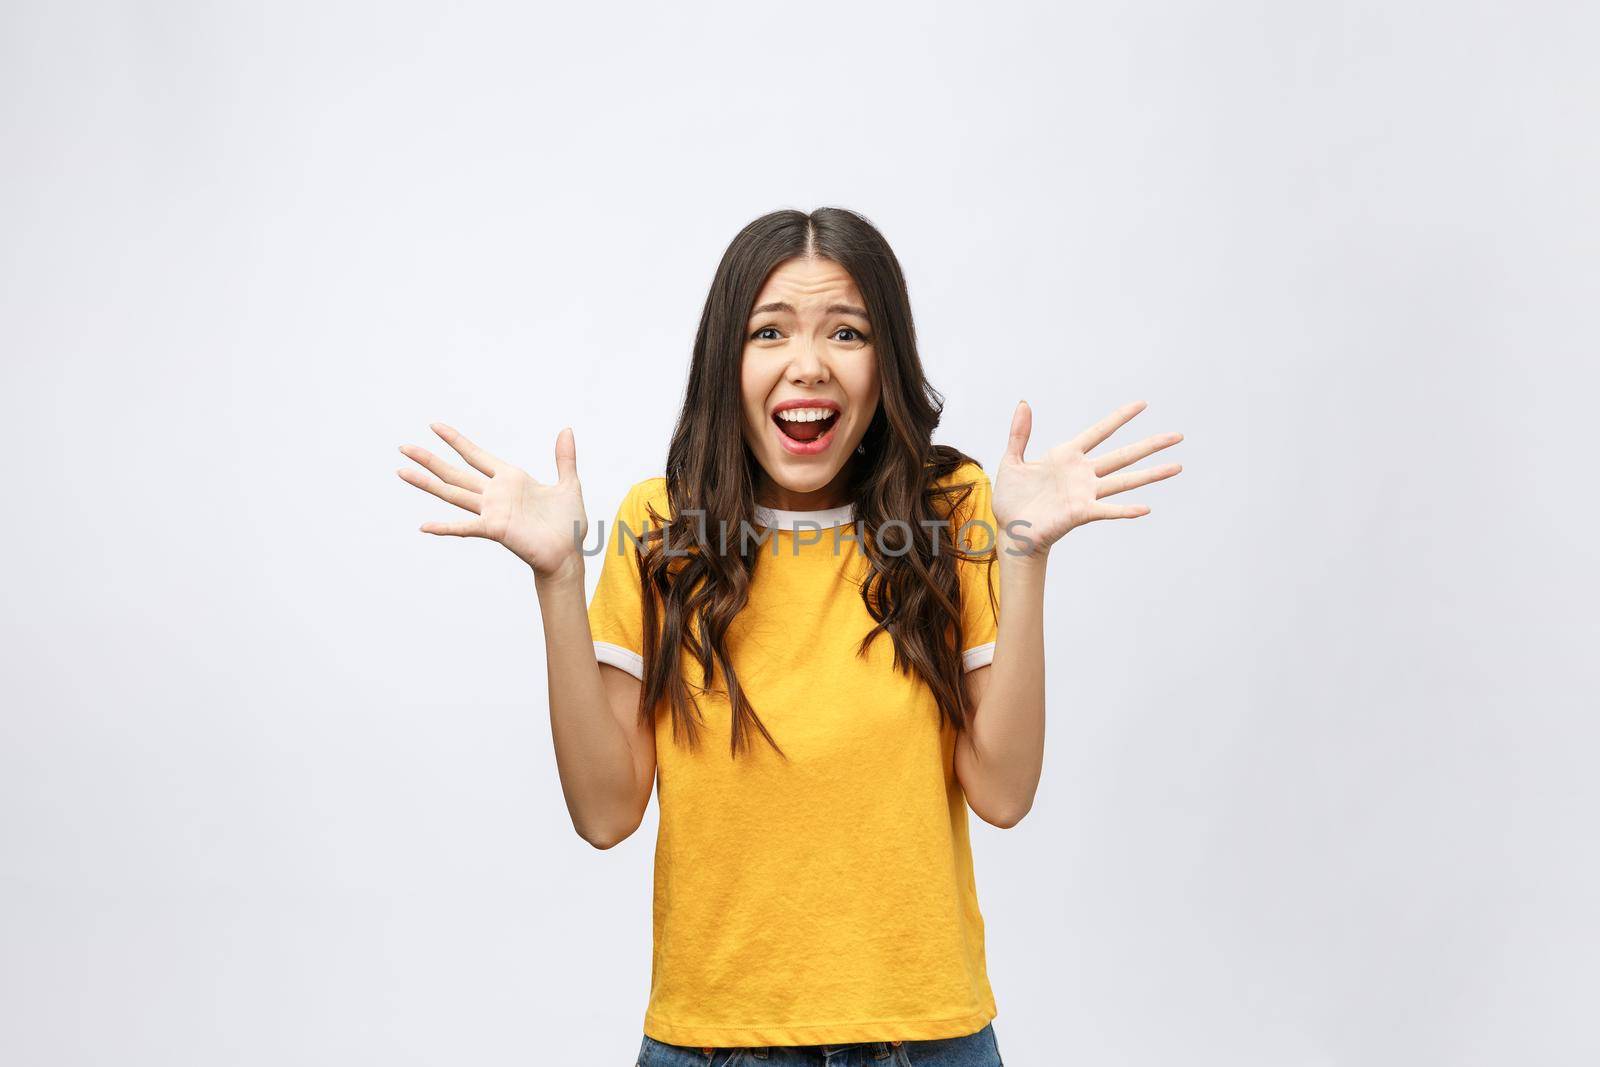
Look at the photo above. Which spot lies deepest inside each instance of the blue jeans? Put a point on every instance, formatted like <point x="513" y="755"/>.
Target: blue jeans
<point x="975" y="1050"/>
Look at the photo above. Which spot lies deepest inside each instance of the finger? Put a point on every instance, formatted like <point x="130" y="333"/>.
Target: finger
<point x="468" y="451"/>
<point x="1118" y="511"/>
<point x="455" y="529"/>
<point x="446" y="473"/>
<point x="566" y="457"/>
<point x="461" y="498"/>
<point x="1107" y="426"/>
<point x="1116" y="460"/>
<point x="1121" y="483"/>
<point x="1021" y="428"/>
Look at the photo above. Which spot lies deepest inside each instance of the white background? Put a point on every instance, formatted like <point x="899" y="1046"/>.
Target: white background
<point x="276" y="782"/>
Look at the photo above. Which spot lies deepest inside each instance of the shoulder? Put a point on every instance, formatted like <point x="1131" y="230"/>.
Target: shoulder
<point x="968" y="473"/>
<point x="650" y="489"/>
<point x="963" y="492"/>
<point x="646" y="491"/>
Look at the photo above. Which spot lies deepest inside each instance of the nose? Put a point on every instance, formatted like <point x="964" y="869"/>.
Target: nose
<point x="808" y="367"/>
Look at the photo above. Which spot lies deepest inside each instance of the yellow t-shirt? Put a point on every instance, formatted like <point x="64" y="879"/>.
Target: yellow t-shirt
<point x="828" y="898"/>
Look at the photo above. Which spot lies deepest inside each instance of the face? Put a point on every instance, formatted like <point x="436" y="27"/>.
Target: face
<point x="810" y="382"/>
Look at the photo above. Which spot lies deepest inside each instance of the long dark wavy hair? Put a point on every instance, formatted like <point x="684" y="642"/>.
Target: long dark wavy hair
<point x="693" y="589"/>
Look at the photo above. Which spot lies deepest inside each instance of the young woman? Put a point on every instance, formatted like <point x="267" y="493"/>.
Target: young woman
<point x="819" y="637"/>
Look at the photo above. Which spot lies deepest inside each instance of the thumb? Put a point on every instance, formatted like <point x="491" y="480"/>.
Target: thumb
<point x="566" y="456"/>
<point x="1021" y="427"/>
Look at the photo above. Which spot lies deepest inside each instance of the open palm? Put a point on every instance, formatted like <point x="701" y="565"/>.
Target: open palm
<point x="544" y="525"/>
<point x="1065" y="489"/>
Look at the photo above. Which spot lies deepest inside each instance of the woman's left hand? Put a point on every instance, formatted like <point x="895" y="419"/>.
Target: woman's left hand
<point x="1065" y="489"/>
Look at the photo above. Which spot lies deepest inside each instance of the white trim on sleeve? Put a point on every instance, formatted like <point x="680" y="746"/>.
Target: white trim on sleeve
<point x="977" y="656"/>
<point x="618" y="656"/>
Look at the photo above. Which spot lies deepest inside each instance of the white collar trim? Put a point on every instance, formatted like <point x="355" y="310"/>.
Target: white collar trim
<point x="776" y="519"/>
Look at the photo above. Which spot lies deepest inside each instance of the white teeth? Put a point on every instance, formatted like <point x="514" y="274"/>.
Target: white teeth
<point x="804" y="414"/>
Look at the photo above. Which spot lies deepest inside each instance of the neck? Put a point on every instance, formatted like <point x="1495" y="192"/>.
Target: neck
<point x="769" y="494"/>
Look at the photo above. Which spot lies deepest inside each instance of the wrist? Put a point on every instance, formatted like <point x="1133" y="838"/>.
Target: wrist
<point x="569" y="572"/>
<point x="1022" y="558"/>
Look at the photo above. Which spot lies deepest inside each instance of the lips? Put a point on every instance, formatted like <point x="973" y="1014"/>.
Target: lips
<point x="805" y="426"/>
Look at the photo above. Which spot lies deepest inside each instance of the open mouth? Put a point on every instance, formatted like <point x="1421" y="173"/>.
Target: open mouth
<point x="806" y="425"/>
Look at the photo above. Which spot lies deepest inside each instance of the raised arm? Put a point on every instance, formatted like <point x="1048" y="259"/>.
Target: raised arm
<point x="605" y="754"/>
<point x="1036" y="503"/>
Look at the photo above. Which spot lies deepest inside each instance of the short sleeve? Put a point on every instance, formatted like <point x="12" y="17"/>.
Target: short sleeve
<point x="980" y="578"/>
<point x="616" y="617"/>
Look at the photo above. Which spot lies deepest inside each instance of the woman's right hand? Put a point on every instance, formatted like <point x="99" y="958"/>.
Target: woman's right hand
<point x="543" y="524"/>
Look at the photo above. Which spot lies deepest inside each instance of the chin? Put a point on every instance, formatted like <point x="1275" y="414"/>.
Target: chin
<point x="808" y="479"/>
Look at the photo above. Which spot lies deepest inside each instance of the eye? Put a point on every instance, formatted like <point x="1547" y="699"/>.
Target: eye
<point x="765" y="329"/>
<point x="859" y="336"/>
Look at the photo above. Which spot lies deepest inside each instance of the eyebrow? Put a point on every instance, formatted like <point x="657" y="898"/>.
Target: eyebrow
<point x="832" y="309"/>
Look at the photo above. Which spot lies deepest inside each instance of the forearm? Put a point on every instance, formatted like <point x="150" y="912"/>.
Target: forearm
<point x="1000" y="760"/>
<point x="593" y="753"/>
